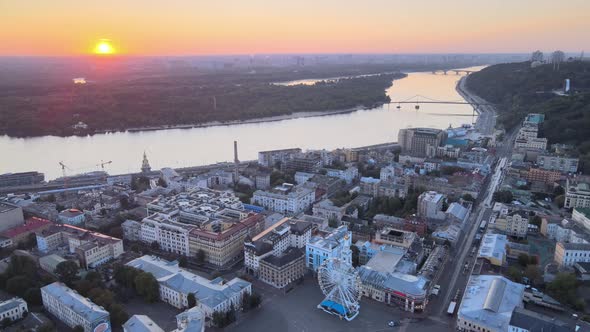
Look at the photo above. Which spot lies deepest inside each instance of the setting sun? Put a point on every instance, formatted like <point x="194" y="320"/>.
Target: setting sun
<point x="104" y="47"/>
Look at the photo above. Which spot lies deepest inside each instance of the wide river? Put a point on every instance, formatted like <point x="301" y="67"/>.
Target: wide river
<point x="207" y="145"/>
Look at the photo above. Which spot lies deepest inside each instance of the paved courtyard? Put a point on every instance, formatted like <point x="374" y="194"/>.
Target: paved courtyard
<point x="297" y="312"/>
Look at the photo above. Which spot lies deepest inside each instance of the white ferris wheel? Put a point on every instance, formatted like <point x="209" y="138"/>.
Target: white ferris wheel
<point x="341" y="284"/>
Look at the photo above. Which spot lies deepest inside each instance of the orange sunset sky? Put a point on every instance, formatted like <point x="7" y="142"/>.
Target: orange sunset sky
<point x="194" y="27"/>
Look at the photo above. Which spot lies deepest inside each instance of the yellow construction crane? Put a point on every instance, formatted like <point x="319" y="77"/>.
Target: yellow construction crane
<point x="63" y="170"/>
<point x="102" y="164"/>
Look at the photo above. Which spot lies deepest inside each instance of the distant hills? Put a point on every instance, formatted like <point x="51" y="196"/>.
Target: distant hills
<point x="519" y="89"/>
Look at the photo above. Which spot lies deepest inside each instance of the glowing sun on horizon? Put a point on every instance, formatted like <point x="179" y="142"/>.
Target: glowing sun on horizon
<point x="104" y="47"/>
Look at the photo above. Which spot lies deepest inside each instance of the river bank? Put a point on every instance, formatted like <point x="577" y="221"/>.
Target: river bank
<point x="486" y="114"/>
<point x="298" y="115"/>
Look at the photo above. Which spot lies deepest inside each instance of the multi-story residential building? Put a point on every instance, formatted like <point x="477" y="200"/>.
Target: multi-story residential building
<point x="281" y="271"/>
<point x="430" y="205"/>
<point x="488" y="302"/>
<point x="334" y="245"/>
<point x="71" y="217"/>
<point x="562" y="230"/>
<point x="493" y="248"/>
<point x="577" y="194"/>
<point x="73" y="309"/>
<point x="11" y="216"/>
<point x="308" y="162"/>
<point x="21" y="179"/>
<point x="421" y="141"/>
<point x="131" y="230"/>
<point x="326" y="209"/>
<point x="517" y="224"/>
<point x="369" y="186"/>
<point x="176" y="283"/>
<point x="531" y="143"/>
<point x="222" y="244"/>
<point x="448" y="151"/>
<point x="559" y="163"/>
<point x="262" y="180"/>
<point x="568" y="254"/>
<point x="21" y="233"/>
<point x="528" y="131"/>
<point x="13" y="309"/>
<point x="270" y="158"/>
<point x="302" y="177"/>
<point x="274" y="241"/>
<point x="582" y="216"/>
<point x="92" y="248"/>
<point x="349" y="174"/>
<point x="543" y="175"/>
<point x="287" y="199"/>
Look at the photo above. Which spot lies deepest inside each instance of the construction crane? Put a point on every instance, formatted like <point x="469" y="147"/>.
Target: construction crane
<point x="63" y="170"/>
<point x="102" y="164"/>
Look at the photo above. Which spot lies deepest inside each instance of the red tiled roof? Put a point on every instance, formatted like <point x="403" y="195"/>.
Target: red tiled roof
<point x="30" y="225"/>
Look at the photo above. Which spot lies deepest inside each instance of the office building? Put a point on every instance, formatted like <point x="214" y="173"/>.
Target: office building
<point x="488" y="302"/>
<point x="73" y="309"/>
<point x="421" y="142"/>
<point x="524" y="320"/>
<point x="215" y="295"/>
<point x="287" y="199"/>
<point x="539" y="143"/>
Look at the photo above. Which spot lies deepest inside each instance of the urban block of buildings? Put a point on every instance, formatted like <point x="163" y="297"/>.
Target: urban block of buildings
<point x="176" y="283"/>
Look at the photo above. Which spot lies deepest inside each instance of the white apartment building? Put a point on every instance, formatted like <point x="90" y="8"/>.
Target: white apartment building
<point x="531" y="143"/>
<point x="131" y="230"/>
<point x="568" y="254"/>
<point x="92" y="248"/>
<point x="176" y="283"/>
<point x="334" y="245"/>
<point x="553" y="162"/>
<point x="73" y="309"/>
<point x="326" y="209"/>
<point x="430" y="204"/>
<point x="562" y="230"/>
<point x="577" y="193"/>
<point x="14" y="309"/>
<point x="348" y="175"/>
<point x="517" y="224"/>
<point x="287" y="199"/>
<point x="170" y="236"/>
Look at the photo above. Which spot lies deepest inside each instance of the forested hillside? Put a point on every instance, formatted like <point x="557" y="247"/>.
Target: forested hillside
<point x="520" y="89"/>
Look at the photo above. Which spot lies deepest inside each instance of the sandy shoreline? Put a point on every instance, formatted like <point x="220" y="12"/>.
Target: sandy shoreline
<point x="292" y="116"/>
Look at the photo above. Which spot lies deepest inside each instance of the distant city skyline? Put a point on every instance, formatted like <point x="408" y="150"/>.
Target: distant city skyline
<point x="183" y="27"/>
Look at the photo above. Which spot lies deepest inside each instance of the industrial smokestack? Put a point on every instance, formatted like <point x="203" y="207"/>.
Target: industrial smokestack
<point x="236" y="164"/>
